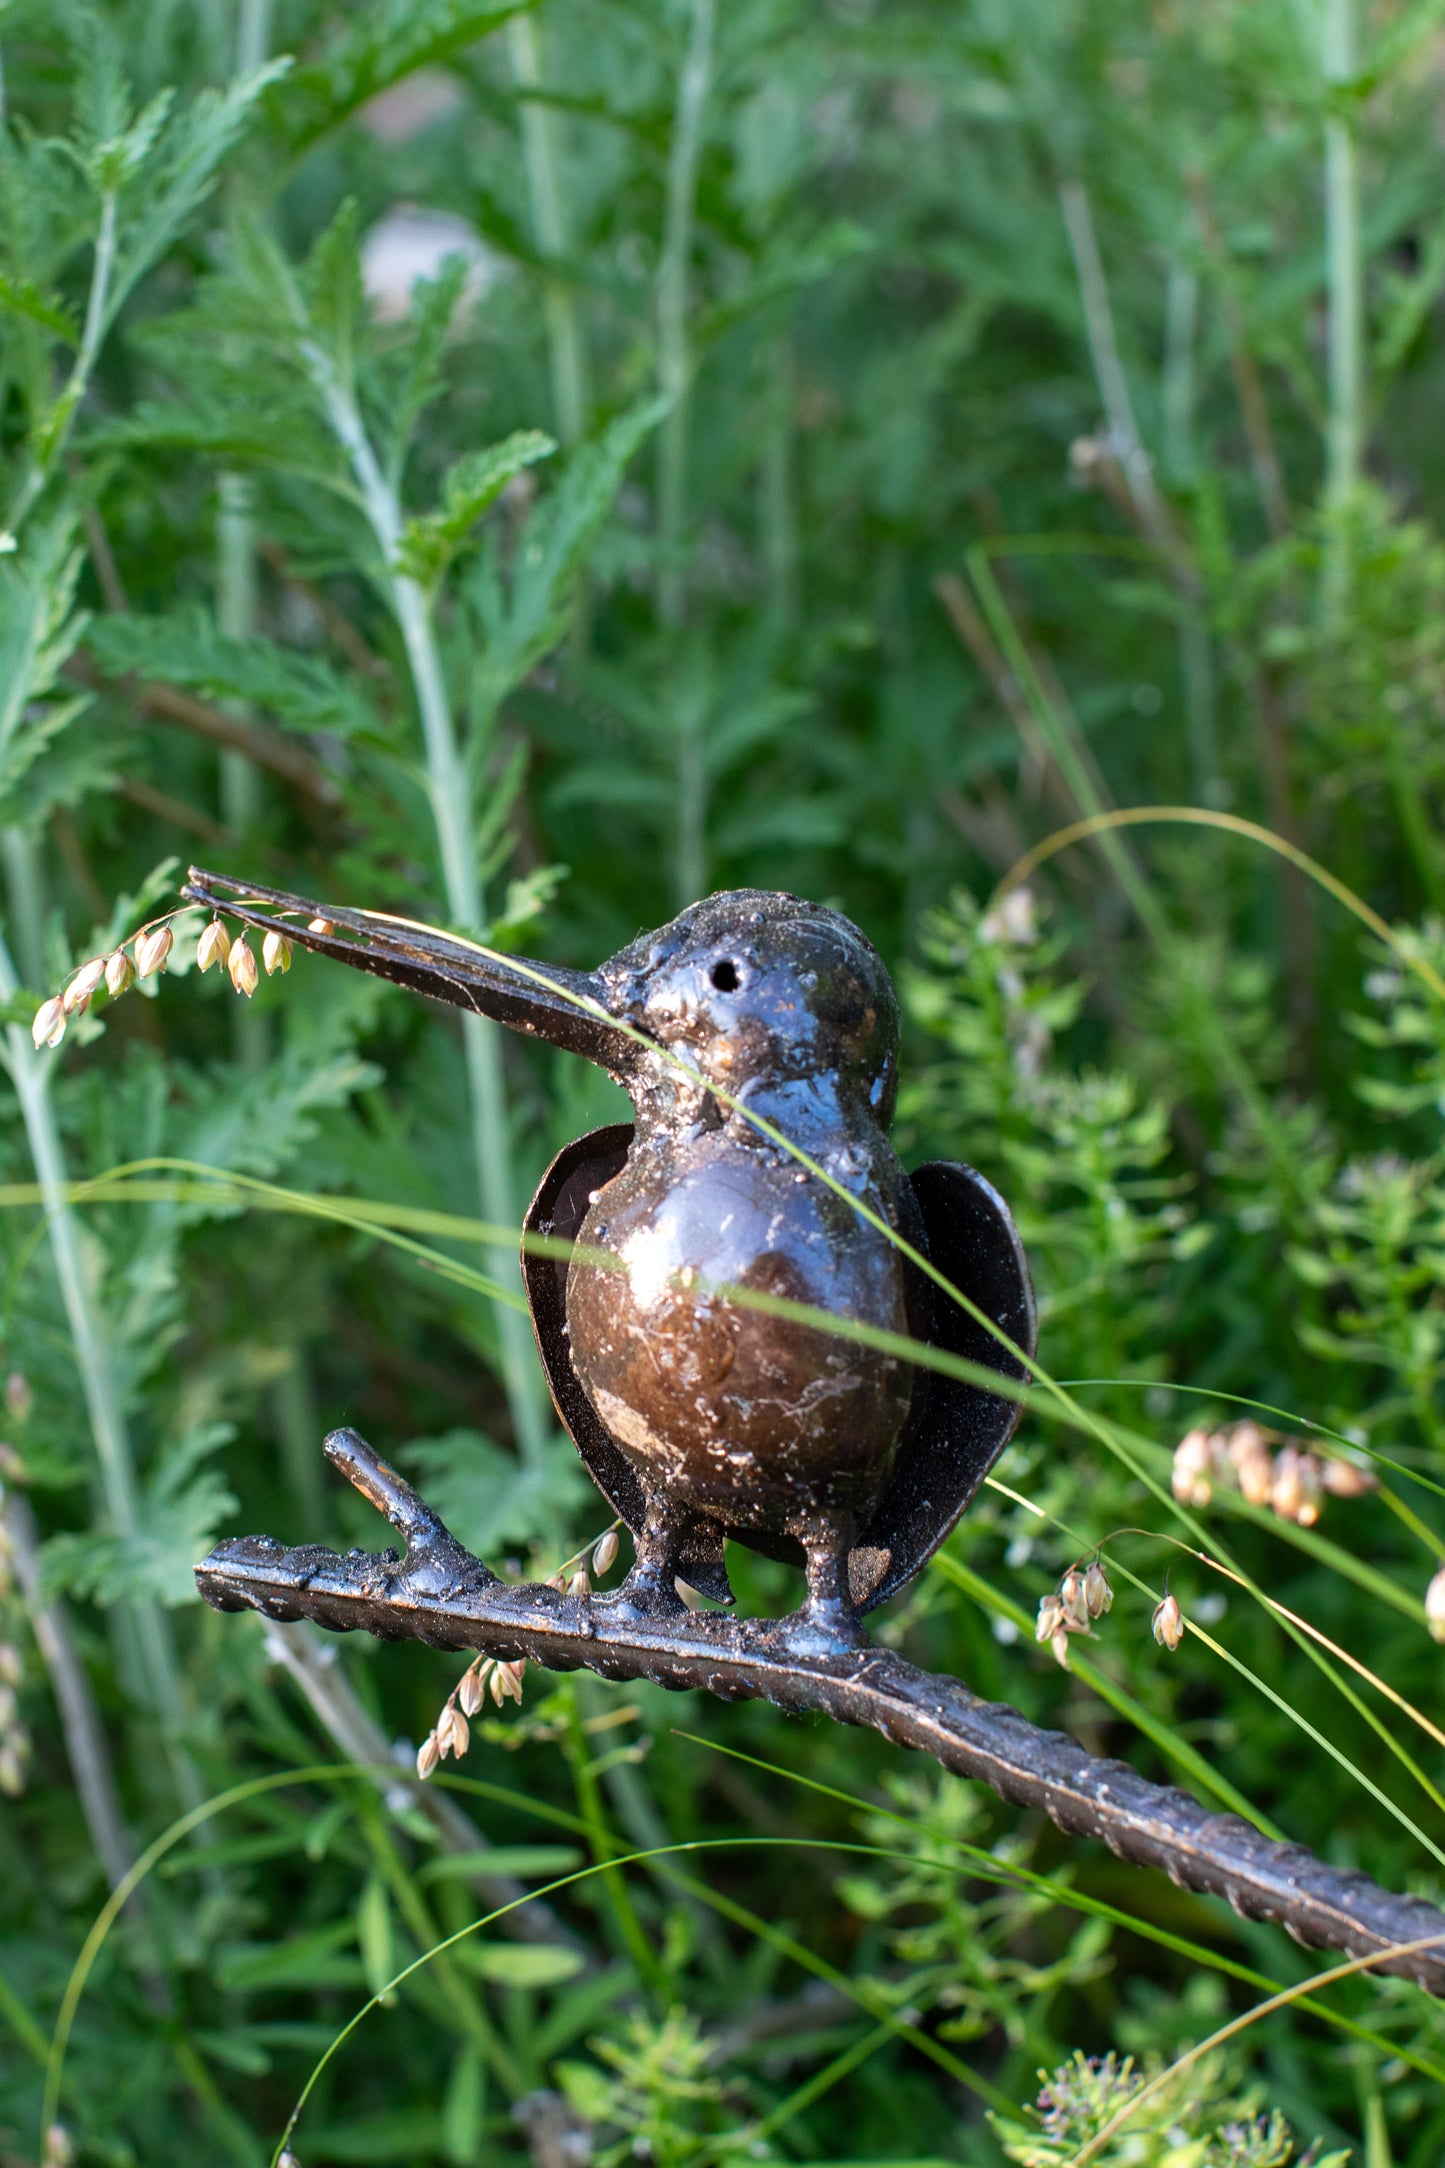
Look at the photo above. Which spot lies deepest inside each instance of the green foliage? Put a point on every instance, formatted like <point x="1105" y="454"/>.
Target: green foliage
<point x="771" y="479"/>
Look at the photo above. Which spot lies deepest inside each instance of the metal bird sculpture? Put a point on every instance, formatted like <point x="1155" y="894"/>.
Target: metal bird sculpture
<point x="683" y="1272"/>
<point x="753" y="1023"/>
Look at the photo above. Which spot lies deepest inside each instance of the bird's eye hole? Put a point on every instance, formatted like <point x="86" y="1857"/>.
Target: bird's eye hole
<point x="725" y="976"/>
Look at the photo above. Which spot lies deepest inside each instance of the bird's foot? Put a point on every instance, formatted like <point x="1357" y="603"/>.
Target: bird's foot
<point x="824" y="1626"/>
<point x="648" y="1592"/>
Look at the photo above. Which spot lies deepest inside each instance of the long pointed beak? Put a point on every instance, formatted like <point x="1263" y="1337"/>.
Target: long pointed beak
<point x="567" y="1009"/>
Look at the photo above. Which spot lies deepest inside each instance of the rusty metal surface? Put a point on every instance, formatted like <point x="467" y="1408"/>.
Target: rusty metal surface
<point x="702" y="1419"/>
<point x="439" y="1594"/>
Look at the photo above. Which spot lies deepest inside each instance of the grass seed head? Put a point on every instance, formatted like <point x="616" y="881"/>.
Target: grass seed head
<point x="459" y="1734"/>
<point x="1168" y="1624"/>
<point x="428" y="1754"/>
<point x="1098" y="1591"/>
<point x="1074" y="1601"/>
<point x="152" y="949"/>
<point x="605" y="1553"/>
<point x="19" y="1396"/>
<point x="48" y="1028"/>
<point x="59" y="2152"/>
<point x="1051" y="1616"/>
<point x="9" y="1664"/>
<point x="1345" y="1479"/>
<point x="473" y="1689"/>
<point x="1435" y="1606"/>
<point x="511" y="1677"/>
<point x="12" y="1466"/>
<point x="319" y="925"/>
<point x="86" y="981"/>
<point x="1059" y="1643"/>
<point x="119" y="973"/>
<point x="580" y="1583"/>
<point x="214" y="946"/>
<point x="495" y="1683"/>
<point x="276" y="952"/>
<point x="242" y="966"/>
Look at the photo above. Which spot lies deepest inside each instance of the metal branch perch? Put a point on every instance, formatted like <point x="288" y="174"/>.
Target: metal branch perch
<point x="438" y="1593"/>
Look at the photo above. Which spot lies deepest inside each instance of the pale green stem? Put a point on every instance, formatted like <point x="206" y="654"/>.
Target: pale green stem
<point x="253" y="36"/>
<point x="450" y="796"/>
<point x="240" y="783"/>
<point x="1181" y="322"/>
<point x="154" y="1647"/>
<point x="674" y="356"/>
<point x="1196" y="666"/>
<point x="567" y="355"/>
<point x="777" y="493"/>
<point x="1345" y="284"/>
<point x="80" y="374"/>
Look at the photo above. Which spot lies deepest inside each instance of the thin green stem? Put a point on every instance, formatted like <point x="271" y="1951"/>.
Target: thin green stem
<point x="96" y="315"/>
<point x="567" y="354"/>
<point x="674" y="353"/>
<point x="1344" y="273"/>
<point x="450" y="795"/>
<point x="158" y="1673"/>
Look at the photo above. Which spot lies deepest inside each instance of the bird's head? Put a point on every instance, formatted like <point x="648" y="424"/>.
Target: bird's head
<point x="752" y="986"/>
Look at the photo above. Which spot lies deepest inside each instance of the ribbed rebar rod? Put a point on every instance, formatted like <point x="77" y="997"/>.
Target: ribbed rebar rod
<point x="438" y="1593"/>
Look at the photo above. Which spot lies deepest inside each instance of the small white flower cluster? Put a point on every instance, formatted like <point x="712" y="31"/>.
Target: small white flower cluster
<point x="1435" y="1606"/>
<point x="148" y="951"/>
<point x="1292" y="1481"/>
<point x="1072" y="1608"/>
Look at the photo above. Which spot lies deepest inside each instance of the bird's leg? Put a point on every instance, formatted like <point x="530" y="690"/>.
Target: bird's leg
<point x="828" y="1614"/>
<point x="649" y="1588"/>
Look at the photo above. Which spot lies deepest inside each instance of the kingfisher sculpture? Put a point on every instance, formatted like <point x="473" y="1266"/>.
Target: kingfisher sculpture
<point x="694" y="1278"/>
<point x="752" y="1023"/>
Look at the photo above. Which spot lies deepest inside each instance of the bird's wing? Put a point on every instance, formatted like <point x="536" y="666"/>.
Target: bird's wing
<point x="558" y="1210"/>
<point x="955" y="1431"/>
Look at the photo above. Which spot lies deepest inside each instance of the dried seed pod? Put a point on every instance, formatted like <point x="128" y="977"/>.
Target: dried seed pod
<point x="428" y="1754"/>
<point x="1290" y="1491"/>
<point x="152" y="949"/>
<point x="1051" y="1616"/>
<point x="1098" y="1593"/>
<point x="276" y="952"/>
<point x="1059" y="1643"/>
<point x="242" y="966"/>
<point x="1196" y="1458"/>
<point x="1255" y="1470"/>
<point x="1435" y="1606"/>
<point x="320" y="925"/>
<point x="1346" y="1479"/>
<point x="119" y="973"/>
<point x="1071" y="1596"/>
<point x="1168" y="1623"/>
<point x="87" y="979"/>
<point x="473" y="1689"/>
<point x="495" y="1683"/>
<point x="59" y="2152"/>
<point x="461" y="1737"/>
<point x="48" y="1028"/>
<point x="580" y="1583"/>
<point x="605" y="1552"/>
<point x="557" y="1581"/>
<point x="511" y="1678"/>
<point x="214" y="946"/>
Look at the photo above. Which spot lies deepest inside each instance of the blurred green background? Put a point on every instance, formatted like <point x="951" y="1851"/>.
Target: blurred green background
<point x="529" y="467"/>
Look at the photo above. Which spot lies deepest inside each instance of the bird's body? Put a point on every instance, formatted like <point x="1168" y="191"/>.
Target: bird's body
<point x="710" y="1348"/>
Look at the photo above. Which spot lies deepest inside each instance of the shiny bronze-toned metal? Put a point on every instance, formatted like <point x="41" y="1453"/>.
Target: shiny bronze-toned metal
<point x="757" y="1036"/>
<point x="439" y="1594"/>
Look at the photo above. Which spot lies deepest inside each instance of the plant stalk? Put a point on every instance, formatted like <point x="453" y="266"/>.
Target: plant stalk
<point x="154" y="1647"/>
<point x="449" y="792"/>
<point x="1344" y="271"/>
<point x="674" y="354"/>
<point x="566" y="352"/>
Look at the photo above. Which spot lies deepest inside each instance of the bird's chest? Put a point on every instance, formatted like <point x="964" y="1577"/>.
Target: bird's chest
<point x="690" y="1347"/>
